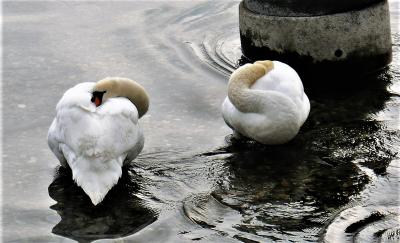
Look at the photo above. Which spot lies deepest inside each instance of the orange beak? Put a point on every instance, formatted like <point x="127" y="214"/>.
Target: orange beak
<point x="97" y="101"/>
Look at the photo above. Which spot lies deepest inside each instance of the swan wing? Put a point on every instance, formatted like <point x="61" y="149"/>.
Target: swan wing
<point x="54" y="143"/>
<point x="305" y="108"/>
<point x="120" y="107"/>
<point x="228" y="110"/>
<point x="276" y="122"/>
<point x="283" y="79"/>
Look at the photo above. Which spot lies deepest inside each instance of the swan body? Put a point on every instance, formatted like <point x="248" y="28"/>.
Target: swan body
<point x="266" y="102"/>
<point x="95" y="139"/>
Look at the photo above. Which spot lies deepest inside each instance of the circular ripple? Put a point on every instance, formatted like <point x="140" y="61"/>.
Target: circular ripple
<point x="220" y="51"/>
<point x="375" y="218"/>
<point x="364" y="224"/>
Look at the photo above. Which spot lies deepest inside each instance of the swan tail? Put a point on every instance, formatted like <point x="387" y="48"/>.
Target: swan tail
<point x="95" y="175"/>
<point x="96" y="178"/>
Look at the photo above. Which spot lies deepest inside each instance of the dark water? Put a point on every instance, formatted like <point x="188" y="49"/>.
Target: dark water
<point x="337" y="181"/>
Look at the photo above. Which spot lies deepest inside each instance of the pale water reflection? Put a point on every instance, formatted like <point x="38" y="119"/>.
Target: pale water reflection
<point x="337" y="181"/>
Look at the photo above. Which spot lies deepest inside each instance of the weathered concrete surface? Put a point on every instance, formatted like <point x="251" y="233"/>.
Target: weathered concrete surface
<point x="305" y="7"/>
<point x="354" y="42"/>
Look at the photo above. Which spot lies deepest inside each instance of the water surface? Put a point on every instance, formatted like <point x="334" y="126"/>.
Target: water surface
<point x="337" y="181"/>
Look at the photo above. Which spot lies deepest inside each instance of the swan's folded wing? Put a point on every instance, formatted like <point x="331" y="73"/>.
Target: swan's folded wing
<point x="306" y="107"/>
<point x="119" y="106"/>
<point x="53" y="140"/>
<point x="134" y="151"/>
<point x="227" y="110"/>
<point x="109" y="132"/>
<point x="124" y="108"/>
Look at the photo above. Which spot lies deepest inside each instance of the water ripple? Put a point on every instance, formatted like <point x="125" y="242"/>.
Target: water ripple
<point x="220" y="51"/>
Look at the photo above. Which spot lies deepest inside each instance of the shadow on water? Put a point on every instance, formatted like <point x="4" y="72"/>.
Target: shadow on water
<point x="121" y="213"/>
<point x="290" y="192"/>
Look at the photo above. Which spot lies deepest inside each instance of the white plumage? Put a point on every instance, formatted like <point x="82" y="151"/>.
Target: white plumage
<point x="95" y="141"/>
<point x="266" y="102"/>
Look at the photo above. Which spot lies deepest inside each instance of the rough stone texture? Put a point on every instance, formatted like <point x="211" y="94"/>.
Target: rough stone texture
<point x="355" y="41"/>
<point x="305" y="7"/>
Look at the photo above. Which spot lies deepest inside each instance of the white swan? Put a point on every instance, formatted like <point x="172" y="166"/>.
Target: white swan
<point x="96" y="132"/>
<point x="266" y="102"/>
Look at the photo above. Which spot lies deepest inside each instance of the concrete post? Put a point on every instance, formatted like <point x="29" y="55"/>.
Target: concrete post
<point x="321" y="39"/>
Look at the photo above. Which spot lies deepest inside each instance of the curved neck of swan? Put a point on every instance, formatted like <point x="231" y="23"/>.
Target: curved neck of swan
<point x="241" y="80"/>
<point x="123" y="87"/>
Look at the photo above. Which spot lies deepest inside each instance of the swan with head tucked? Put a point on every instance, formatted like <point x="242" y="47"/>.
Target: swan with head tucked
<point x="266" y="102"/>
<point x="96" y="131"/>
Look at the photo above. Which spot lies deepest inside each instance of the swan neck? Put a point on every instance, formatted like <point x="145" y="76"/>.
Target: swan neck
<point x="123" y="87"/>
<point x="240" y="82"/>
<point x="137" y="95"/>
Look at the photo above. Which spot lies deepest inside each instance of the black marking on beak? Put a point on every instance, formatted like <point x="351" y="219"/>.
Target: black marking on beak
<point x="97" y="97"/>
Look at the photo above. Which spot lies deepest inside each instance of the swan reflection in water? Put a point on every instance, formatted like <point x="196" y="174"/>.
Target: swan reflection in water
<point x="292" y="192"/>
<point x="282" y="192"/>
<point x="121" y="213"/>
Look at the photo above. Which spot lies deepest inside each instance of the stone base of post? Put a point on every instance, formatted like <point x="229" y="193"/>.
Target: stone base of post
<point x="332" y="46"/>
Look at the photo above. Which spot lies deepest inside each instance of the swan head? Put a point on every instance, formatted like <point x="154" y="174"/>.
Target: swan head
<point x="121" y="87"/>
<point x="97" y="97"/>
